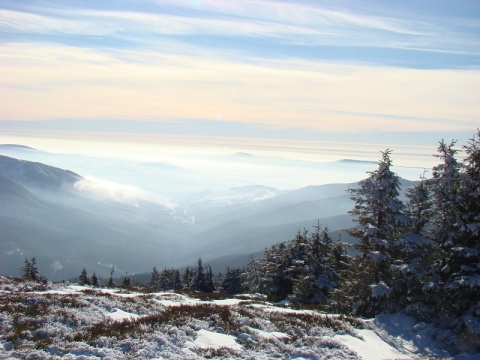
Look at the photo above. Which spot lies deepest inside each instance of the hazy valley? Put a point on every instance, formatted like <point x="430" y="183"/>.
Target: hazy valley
<point x="69" y="221"/>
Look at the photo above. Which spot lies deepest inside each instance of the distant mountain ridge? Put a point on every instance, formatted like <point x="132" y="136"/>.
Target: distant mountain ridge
<point x="34" y="174"/>
<point x="17" y="147"/>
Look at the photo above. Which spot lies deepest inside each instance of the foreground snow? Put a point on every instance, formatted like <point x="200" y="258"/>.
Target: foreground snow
<point x="65" y="321"/>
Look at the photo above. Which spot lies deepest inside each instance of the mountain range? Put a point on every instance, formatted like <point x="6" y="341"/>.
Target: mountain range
<point x="67" y="221"/>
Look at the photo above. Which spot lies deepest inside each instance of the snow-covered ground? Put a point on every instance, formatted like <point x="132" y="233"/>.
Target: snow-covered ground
<point x="69" y="322"/>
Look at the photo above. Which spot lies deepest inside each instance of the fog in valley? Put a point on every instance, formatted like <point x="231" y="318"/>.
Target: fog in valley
<point x="73" y="211"/>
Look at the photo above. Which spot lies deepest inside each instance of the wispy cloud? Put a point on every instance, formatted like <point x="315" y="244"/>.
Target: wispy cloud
<point x="118" y="192"/>
<point x="281" y="22"/>
<point x="30" y="23"/>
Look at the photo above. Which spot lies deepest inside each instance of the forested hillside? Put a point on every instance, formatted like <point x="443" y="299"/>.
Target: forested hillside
<point x="420" y="256"/>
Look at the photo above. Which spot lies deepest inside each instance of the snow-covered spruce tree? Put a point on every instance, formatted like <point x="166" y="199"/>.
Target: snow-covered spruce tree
<point x="126" y="280"/>
<point x="273" y="279"/>
<point x="251" y="275"/>
<point x="445" y="185"/>
<point x="304" y="269"/>
<point x="452" y="287"/>
<point x="26" y="270"/>
<point x="164" y="280"/>
<point x="34" y="273"/>
<point x="111" y="282"/>
<point x="83" y="278"/>
<point x="188" y="277"/>
<point x="269" y="274"/>
<point x="169" y="279"/>
<point x="415" y="253"/>
<point x="464" y="277"/>
<point x="176" y="279"/>
<point x="314" y="269"/>
<point x="210" y="283"/>
<point x="455" y="280"/>
<point x="231" y="281"/>
<point x="379" y="213"/>
<point x="418" y="207"/>
<point x="444" y="188"/>
<point x="203" y="279"/>
<point x="154" y="281"/>
<point x="94" y="280"/>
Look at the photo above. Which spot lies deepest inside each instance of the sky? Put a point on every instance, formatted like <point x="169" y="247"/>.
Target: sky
<point x="312" y="80"/>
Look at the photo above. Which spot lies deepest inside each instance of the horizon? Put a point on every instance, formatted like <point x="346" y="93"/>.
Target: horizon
<point x="213" y="171"/>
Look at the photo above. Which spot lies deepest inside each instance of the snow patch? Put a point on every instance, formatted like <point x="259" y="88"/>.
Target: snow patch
<point x="371" y="346"/>
<point x="119" y="315"/>
<point x="212" y="340"/>
<point x="274" y="335"/>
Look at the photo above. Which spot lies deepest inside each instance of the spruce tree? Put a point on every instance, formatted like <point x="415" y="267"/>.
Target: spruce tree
<point x="415" y="253"/>
<point x="274" y="279"/>
<point x="464" y="275"/>
<point x="177" y="281"/>
<point x="231" y="281"/>
<point x="154" y="282"/>
<point x="444" y="187"/>
<point x="187" y="278"/>
<point x="203" y="280"/>
<point x="83" y="278"/>
<point x="380" y="215"/>
<point x="34" y="273"/>
<point x="26" y="270"/>
<point x="199" y="279"/>
<point x="126" y="280"/>
<point x="209" y="282"/>
<point x="316" y="276"/>
<point x="94" y="280"/>
<point x="111" y="282"/>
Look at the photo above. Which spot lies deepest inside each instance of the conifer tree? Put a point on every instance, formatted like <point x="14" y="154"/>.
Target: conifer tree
<point x="251" y="275"/>
<point x="274" y="279"/>
<point x="415" y="253"/>
<point x="444" y="187"/>
<point x="304" y="270"/>
<point x="169" y="279"/>
<point x="231" y="281"/>
<point x="111" y="282"/>
<point x="316" y="277"/>
<point x="126" y="280"/>
<point x="380" y="215"/>
<point x="199" y="279"/>
<point x="94" y="280"/>
<point x="154" y="282"/>
<point x="187" y="278"/>
<point x="83" y="278"/>
<point x="26" y="270"/>
<point x="165" y="279"/>
<point x="34" y="273"/>
<point x="463" y="281"/>
<point x="203" y="280"/>
<point x="418" y="208"/>
<point x="209" y="282"/>
<point x="177" y="280"/>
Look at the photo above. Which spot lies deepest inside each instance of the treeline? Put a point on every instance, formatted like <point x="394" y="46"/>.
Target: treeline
<point x="198" y="278"/>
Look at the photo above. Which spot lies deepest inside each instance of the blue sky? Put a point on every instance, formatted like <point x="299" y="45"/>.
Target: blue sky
<point x="304" y="79"/>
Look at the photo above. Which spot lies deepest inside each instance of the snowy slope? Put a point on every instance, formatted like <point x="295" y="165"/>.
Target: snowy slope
<point x="66" y="321"/>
